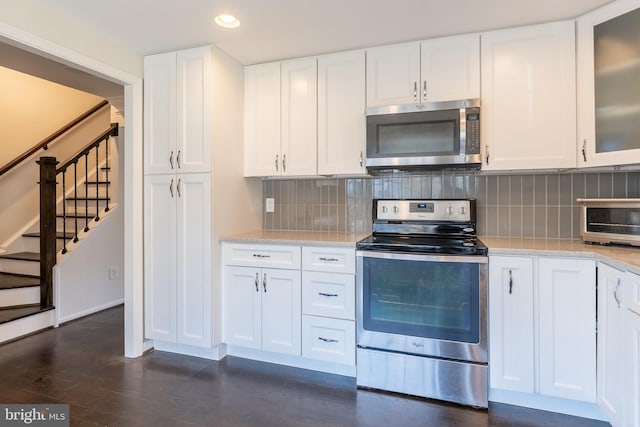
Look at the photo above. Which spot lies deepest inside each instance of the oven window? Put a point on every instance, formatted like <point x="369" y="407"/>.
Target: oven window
<point x="438" y="300"/>
<point x="614" y="220"/>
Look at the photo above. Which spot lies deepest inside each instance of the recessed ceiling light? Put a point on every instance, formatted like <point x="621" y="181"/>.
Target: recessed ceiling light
<point x="227" y="21"/>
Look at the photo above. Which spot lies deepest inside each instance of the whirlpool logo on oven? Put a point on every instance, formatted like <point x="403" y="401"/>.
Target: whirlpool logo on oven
<point x="35" y="415"/>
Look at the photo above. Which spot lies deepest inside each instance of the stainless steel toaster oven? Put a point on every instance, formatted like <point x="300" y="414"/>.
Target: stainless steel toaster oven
<point x="609" y="221"/>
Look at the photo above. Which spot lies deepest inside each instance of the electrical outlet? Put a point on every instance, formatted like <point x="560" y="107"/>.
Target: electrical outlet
<point x="113" y="273"/>
<point x="270" y="204"/>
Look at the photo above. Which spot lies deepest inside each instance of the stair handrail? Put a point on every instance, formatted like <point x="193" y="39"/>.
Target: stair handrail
<point x="111" y="131"/>
<point x="44" y="144"/>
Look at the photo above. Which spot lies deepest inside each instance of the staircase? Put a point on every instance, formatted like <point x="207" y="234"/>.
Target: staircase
<point x="79" y="192"/>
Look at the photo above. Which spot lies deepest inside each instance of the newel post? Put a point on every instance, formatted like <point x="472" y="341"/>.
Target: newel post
<point x="47" y="228"/>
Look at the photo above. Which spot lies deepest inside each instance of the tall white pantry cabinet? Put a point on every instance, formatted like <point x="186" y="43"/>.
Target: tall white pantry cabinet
<point x="193" y="141"/>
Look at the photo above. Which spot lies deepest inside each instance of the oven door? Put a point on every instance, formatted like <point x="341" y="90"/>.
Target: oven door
<point x="429" y="305"/>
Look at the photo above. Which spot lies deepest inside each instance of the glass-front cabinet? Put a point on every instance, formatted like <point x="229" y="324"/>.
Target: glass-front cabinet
<point x="609" y="86"/>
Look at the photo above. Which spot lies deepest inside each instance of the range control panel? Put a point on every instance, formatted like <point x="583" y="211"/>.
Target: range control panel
<point x="423" y="210"/>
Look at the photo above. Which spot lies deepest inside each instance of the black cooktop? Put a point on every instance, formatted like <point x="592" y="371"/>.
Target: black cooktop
<point x="454" y="245"/>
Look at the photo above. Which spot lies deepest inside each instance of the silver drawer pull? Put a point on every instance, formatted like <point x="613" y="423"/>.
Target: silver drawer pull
<point x="322" y="258"/>
<point x="322" y="294"/>
<point x="261" y="256"/>
<point x="327" y="339"/>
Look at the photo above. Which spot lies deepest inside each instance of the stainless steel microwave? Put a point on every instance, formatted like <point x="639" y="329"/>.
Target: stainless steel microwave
<point x="430" y="135"/>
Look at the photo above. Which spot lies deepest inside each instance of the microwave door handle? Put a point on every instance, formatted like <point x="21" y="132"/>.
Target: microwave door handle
<point x="415" y="91"/>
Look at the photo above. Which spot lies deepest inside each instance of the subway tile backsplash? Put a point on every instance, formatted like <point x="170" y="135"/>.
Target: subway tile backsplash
<point x="530" y="205"/>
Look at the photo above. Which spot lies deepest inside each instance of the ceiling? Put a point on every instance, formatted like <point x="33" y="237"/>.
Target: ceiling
<point x="279" y="29"/>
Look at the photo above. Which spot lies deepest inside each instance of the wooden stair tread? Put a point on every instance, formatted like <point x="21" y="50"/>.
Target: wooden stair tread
<point x="7" y="314"/>
<point x="22" y="256"/>
<point x="59" y="235"/>
<point x="13" y="281"/>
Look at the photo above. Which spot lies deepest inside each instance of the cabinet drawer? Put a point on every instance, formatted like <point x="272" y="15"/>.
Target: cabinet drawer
<point x="328" y="294"/>
<point x="275" y="256"/>
<point x="338" y="260"/>
<point x="330" y="340"/>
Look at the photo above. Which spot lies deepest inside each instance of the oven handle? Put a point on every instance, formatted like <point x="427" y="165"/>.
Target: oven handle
<point x="477" y="259"/>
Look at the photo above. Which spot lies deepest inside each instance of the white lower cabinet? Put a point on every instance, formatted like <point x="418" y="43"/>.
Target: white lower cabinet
<point x="291" y="300"/>
<point x="542" y="326"/>
<point x="610" y="343"/>
<point x="262" y="304"/>
<point x="632" y="368"/>
<point x="178" y="259"/>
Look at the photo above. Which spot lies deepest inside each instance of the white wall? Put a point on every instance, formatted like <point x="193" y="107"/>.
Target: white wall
<point x="81" y="278"/>
<point x="41" y="18"/>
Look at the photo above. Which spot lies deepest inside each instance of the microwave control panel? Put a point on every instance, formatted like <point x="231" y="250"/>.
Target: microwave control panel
<point x="472" y="131"/>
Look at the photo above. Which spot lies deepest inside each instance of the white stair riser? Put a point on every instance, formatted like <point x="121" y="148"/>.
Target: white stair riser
<point x="26" y="325"/>
<point x="20" y="267"/>
<point x="102" y="192"/>
<point x="82" y="205"/>
<point x="19" y="296"/>
<point x="71" y="224"/>
<point x="32" y="244"/>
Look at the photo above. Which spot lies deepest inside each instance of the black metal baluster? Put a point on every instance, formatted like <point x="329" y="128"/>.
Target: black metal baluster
<point x="64" y="210"/>
<point x="97" y="218"/>
<point x="75" y="201"/>
<point x="107" y="162"/>
<point x="86" y="192"/>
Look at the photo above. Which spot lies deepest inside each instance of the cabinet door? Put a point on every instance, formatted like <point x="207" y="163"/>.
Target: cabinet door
<point x="608" y="111"/>
<point x="610" y="343"/>
<point x="242" y="307"/>
<point x="159" y="113"/>
<point x="299" y="116"/>
<point x="511" y="334"/>
<point x="632" y="292"/>
<point x="193" y="245"/>
<point x="341" y="120"/>
<point x="528" y="97"/>
<point x="193" y="141"/>
<point x="632" y="369"/>
<point x="262" y="120"/>
<point x="450" y="68"/>
<point x="393" y="75"/>
<point x="160" y="257"/>
<point x="567" y="328"/>
<point x="281" y="311"/>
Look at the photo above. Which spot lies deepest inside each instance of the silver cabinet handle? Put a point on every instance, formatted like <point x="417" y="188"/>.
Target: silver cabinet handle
<point x="486" y="154"/>
<point x="178" y="159"/>
<point x="415" y="91"/>
<point x="327" y="339"/>
<point x="361" y="158"/>
<point x="584" y="150"/>
<point x="277" y="163"/>
<point x="284" y="163"/>
<point x="264" y="282"/>
<point x="325" y="259"/>
<point x="510" y="282"/>
<point x="424" y="90"/>
<point x="615" y="293"/>
<point x="322" y="294"/>
<point x="178" y="188"/>
<point x="171" y="159"/>
<point x="261" y="256"/>
<point x="256" y="282"/>
<point x="171" y="188"/>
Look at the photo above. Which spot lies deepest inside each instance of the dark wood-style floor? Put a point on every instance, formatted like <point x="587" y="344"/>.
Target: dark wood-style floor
<point x="81" y="364"/>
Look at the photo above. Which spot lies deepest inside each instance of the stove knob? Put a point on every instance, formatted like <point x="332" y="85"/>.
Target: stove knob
<point x="384" y="209"/>
<point x="449" y="210"/>
<point x="395" y="209"/>
<point x="462" y="210"/>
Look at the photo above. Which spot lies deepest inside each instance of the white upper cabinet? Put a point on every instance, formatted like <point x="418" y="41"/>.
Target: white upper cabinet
<point x="280" y="134"/>
<point x="177" y="121"/>
<point x="529" y="97"/>
<point x="341" y="121"/>
<point x="608" y="72"/>
<point x="262" y="119"/>
<point x="435" y="70"/>
<point x="299" y="117"/>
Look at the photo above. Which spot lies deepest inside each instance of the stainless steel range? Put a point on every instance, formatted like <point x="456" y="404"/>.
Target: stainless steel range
<point x="422" y="301"/>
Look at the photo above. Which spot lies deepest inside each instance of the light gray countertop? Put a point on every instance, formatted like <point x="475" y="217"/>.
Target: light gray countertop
<point x="322" y="238"/>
